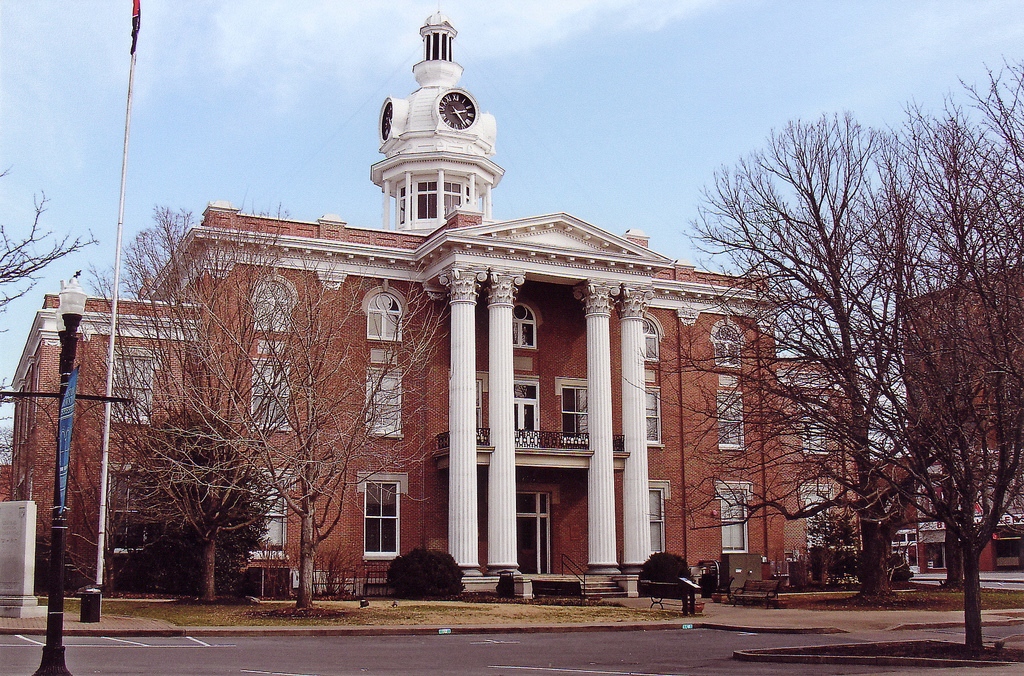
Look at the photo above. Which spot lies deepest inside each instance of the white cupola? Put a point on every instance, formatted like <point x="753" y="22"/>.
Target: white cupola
<point x="436" y="142"/>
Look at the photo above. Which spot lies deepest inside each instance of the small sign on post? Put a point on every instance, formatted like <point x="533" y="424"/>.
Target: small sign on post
<point x="67" y="417"/>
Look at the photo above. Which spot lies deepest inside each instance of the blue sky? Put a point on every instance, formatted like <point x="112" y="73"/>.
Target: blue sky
<point x="616" y="111"/>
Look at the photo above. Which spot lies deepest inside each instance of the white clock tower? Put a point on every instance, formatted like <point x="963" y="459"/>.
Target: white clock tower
<point x="437" y="142"/>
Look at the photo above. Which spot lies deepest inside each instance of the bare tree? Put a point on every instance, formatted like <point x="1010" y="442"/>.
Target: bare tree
<point x="22" y="257"/>
<point x="267" y="354"/>
<point x="795" y="219"/>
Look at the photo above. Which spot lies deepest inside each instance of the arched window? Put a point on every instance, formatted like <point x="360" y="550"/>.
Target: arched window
<point x="272" y="303"/>
<point x="652" y="341"/>
<point x="728" y="343"/>
<point x="384" y="318"/>
<point x="524" y="327"/>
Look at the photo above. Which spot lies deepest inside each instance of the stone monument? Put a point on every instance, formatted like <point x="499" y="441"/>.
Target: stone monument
<point x="18" y="560"/>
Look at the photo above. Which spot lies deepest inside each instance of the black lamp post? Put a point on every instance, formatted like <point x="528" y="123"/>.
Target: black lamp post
<point x="69" y="316"/>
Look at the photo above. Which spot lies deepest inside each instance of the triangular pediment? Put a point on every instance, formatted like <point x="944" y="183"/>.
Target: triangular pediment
<point x="560" y="232"/>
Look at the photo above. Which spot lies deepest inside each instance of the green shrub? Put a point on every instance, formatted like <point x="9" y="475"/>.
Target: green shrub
<point x="424" y="572"/>
<point x="664" y="567"/>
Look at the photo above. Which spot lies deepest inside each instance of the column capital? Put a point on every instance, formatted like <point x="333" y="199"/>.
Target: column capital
<point x="688" y="315"/>
<point x="504" y="285"/>
<point x="633" y="301"/>
<point x="462" y="284"/>
<point x="596" y="296"/>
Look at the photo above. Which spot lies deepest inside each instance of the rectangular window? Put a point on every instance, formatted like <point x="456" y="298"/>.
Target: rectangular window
<point x="401" y="205"/>
<point x="381" y="518"/>
<point x="733" y="498"/>
<point x="426" y="200"/>
<point x="653" y="407"/>
<point x="730" y="418"/>
<point x="452" y="197"/>
<point x="657" y="517"/>
<point x="276" y="536"/>
<point x="812" y="438"/>
<point x="270" y="394"/>
<point x="384" y="392"/>
<point x="133" y="378"/>
<point x="574" y="410"/>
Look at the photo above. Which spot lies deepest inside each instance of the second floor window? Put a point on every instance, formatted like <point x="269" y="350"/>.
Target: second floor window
<point x="730" y="418"/>
<point x="574" y="410"/>
<point x="651" y="341"/>
<point x="384" y="318"/>
<point x="524" y="327"/>
<point x="133" y="378"/>
<point x="384" y="394"/>
<point x="270" y="394"/>
<point x="727" y="341"/>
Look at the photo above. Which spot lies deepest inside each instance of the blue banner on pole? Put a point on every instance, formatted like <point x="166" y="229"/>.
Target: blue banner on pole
<point x="67" y="418"/>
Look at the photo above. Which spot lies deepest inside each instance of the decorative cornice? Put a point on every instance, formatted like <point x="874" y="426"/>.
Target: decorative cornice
<point x="596" y="296"/>
<point x="332" y="279"/>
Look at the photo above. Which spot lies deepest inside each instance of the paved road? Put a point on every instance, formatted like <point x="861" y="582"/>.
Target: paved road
<point x="695" y="652"/>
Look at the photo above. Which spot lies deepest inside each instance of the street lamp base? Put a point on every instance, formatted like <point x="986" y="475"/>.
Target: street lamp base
<point x="53" y="662"/>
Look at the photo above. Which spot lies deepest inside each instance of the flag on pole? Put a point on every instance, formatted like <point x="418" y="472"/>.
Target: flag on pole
<point x="136" y="20"/>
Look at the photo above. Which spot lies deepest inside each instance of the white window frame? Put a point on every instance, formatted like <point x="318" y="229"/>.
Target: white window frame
<point x="656" y="498"/>
<point x="134" y="374"/>
<point x="271" y="393"/>
<point x="455" y="195"/>
<point x="578" y="415"/>
<point x="519" y="325"/>
<point x="273" y="300"/>
<point x="727" y="348"/>
<point x="276" y="532"/>
<point x="652" y="413"/>
<point x="730" y="419"/>
<point x="652" y="340"/>
<point x="384" y="312"/>
<point x="733" y="497"/>
<point x="368" y="488"/>
<point x="384" y="402"/>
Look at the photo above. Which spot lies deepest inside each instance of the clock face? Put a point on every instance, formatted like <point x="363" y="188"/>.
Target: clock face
<point x="457" y="110"/>
<point x="385" y="121"/>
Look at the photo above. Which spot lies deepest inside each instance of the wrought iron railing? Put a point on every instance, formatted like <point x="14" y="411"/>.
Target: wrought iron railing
<point x="577" y="571"/>
<point x="579" y="441"/>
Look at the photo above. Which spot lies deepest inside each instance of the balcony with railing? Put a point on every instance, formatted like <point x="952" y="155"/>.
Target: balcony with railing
<point x="539" y="448"/>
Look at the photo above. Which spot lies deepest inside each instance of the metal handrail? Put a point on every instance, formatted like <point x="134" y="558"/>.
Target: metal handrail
<point x="577" y="571"/>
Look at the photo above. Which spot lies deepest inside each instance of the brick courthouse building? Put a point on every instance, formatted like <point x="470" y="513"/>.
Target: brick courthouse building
<point x="570" y="428"/>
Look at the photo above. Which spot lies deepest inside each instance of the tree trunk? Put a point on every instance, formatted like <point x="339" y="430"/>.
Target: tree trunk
<point x="954" y="562"/>
<point x="874" y="573"/>
<point x="972" y="599"/>
<point x="304" y="597"/>
<point x="209" y="587"/>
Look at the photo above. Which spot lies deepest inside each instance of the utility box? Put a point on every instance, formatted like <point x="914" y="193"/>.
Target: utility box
<point x="742" y="567"/>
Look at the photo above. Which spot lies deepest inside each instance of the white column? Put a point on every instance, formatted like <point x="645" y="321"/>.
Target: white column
<point x="600" y="478"/>
<point x="440" y="197"/>
<point x="502" y="554"/>
<point x="463" y="529"/>
<point x="387" y="204"/>
<point x="474" y="198"/>
<point x="487" y="203"/>
<point x="636" y="531"/>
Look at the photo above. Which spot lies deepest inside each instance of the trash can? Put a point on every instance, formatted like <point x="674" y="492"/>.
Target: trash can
<point x="90" y="605"/>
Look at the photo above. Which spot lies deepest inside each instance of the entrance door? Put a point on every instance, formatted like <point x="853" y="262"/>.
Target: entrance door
<point x="533" y="526"/>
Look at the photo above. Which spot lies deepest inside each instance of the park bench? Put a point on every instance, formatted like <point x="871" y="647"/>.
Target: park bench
<point x="684" y="591"/>
<point x="756" y="591"/>
<point x="375" y="579"/>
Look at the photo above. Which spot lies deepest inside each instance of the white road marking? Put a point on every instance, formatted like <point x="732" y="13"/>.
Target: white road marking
<point x="272" y="673"/>
<point x="202" y="643"/>
<point x="491" y="640"/>
<point x="581" y="671"/>
<point x="30" y="640"/>
<point x="124" y="640"/>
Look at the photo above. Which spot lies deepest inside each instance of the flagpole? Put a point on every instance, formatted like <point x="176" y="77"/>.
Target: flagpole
<point x="101" y="530"/>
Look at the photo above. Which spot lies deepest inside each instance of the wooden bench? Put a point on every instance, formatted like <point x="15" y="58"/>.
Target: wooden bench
<point x="684" y="591"/>
<point x="375" y="580"/>
<point x="756" y="591"/>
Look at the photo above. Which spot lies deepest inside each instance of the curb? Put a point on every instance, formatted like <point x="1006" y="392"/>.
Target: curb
<point x="779" y="655"/>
